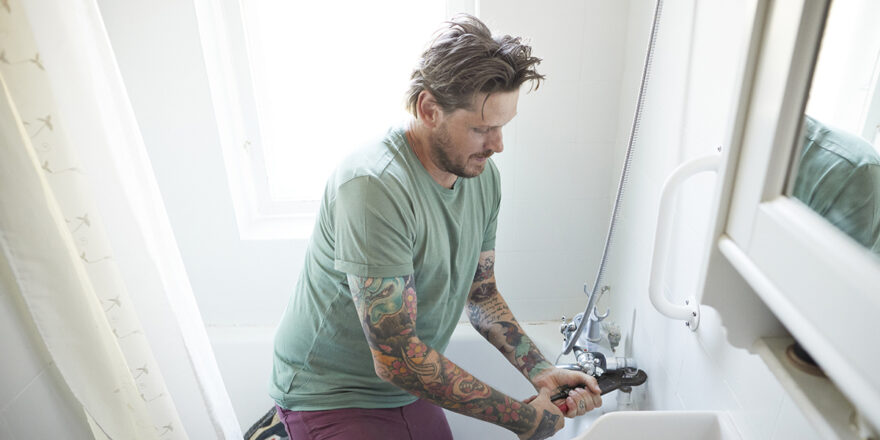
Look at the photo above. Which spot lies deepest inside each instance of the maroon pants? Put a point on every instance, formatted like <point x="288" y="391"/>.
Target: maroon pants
<point x="419" y="420"/>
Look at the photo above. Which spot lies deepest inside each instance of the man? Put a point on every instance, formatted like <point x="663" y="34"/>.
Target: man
<point x="404" y="241"/>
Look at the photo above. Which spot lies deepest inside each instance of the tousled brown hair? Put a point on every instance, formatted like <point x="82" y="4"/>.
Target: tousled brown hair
<point x="464" y="59"/>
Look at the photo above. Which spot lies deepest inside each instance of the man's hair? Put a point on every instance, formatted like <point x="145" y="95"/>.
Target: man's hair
<point x="464" y="59"/>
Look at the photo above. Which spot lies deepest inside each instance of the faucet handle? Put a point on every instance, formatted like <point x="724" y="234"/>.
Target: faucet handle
<point x="565" y="327"/>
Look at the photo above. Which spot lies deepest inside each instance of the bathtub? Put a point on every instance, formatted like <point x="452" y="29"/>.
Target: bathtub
<point x="241" y="351"/>
<point x="469" y="350"/>
<point x="241" y="356"/>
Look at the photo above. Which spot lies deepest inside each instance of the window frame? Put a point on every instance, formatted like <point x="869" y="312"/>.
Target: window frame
<point x="224" y="45"/>
<point x="816" y="281"/>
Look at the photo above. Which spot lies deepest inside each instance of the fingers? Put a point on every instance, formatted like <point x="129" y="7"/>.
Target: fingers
<point x="530" y="399"/>
<point x="577" y="405"/>
<point x="581" y="401"/>
<point x="597" y="399"/>
<point x="593" y="385"/>
<point x="579" y="379"/>
<point x="558" y="410"/>
<point x="584" y="396"/>
<point x="572" y="407"/>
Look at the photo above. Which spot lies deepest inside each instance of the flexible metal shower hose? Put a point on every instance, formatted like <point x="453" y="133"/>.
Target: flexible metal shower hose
<point x="615" y="212"/>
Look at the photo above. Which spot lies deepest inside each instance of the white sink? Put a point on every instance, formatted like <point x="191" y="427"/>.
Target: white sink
<point x="678" y="425"/>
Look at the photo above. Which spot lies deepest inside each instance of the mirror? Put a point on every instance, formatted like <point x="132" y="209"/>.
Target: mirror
<point x="837" y="172"/>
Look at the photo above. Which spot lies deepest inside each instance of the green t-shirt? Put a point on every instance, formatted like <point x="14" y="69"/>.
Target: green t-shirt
<point x="839" y="178"/>
<point x="382" y="215"/>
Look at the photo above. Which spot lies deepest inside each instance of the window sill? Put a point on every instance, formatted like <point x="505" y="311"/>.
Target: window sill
<point x="276" y="227"/>
<point x="822" y="403"/>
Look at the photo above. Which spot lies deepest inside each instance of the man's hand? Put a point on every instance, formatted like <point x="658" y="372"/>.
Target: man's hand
<point x="585" y="396"/>
<point x="549" y="419"/>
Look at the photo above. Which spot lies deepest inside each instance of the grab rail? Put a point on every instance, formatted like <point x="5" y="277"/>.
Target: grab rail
<point x="690" y="312"/>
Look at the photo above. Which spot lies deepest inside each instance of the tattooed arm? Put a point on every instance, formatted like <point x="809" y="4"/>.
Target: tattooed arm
<point x="490" y="315"/>
<point x="387" y="309"/>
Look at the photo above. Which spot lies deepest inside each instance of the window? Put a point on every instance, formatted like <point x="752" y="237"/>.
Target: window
<point x="807" y="274"/>
<point x="296" y="86"/>
<point x="845" y="92"/>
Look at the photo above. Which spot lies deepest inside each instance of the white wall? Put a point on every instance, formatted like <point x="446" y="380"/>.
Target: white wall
<point x="34" y="400"/>
<point x="699" y="49"/>
<point x="556" y="167"/>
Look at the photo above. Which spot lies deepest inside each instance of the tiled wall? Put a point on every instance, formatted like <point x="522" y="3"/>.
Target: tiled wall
<point x="34" y="402"/>
<point x="690" y="101"/>
<point x="556" y="169"/>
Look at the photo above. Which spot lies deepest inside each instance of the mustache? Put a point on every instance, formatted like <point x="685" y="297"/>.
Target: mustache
<point x="485" y="155"/>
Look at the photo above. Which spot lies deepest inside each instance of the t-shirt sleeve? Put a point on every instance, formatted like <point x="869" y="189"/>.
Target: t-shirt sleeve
<point x="372" y="237"/>
<point x="495" y="207"/>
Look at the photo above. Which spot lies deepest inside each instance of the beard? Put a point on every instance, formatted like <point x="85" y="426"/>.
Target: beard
<point x="441" y="151"/>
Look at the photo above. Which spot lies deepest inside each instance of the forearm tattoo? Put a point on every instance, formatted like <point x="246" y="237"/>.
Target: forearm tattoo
<point x="387" y="309"/>
<point x="490" y="315"/>
<point x="485" y="267"/>
<point x="547" y="426"/>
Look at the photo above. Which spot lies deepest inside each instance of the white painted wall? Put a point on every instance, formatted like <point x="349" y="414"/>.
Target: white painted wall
<point x="699" y="49"/>
<point x="556" y="167"/>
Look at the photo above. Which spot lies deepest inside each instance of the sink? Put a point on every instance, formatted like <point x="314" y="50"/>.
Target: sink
<point x="678" y="425"/>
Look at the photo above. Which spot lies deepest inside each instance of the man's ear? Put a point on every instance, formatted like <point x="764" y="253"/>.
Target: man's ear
<point x="429" y="111"/>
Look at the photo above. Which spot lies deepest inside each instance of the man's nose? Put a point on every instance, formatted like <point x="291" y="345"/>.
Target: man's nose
<point x="495" y="141"/>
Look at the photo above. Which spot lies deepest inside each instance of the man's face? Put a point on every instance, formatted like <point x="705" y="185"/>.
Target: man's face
<point x="464" y="139"/>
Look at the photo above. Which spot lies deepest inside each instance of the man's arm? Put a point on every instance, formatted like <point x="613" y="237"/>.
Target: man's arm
<point x="387" y="309"/>
<point x="490" y="315"/>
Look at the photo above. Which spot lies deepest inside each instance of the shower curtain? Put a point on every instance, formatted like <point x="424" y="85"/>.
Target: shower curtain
<point x="82" y="227"/>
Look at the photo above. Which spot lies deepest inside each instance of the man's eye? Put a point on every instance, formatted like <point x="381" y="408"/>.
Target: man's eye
<point x="481" y="130"/>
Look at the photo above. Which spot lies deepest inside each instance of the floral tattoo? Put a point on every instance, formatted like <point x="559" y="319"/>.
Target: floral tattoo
<point x="387" y="308"/>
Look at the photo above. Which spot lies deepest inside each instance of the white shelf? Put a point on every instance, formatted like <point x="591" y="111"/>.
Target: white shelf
<point x="826" y="408"/>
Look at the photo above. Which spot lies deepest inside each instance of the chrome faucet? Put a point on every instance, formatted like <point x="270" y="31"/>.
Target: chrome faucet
<point x="611" y="372"/>
<point x="591" y="356"/>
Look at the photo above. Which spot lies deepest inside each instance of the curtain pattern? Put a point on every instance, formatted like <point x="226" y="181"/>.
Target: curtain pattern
<point x="134" y="385"/>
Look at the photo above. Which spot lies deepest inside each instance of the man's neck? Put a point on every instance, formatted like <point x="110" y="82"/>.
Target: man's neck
<point x="419" y="139"/>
